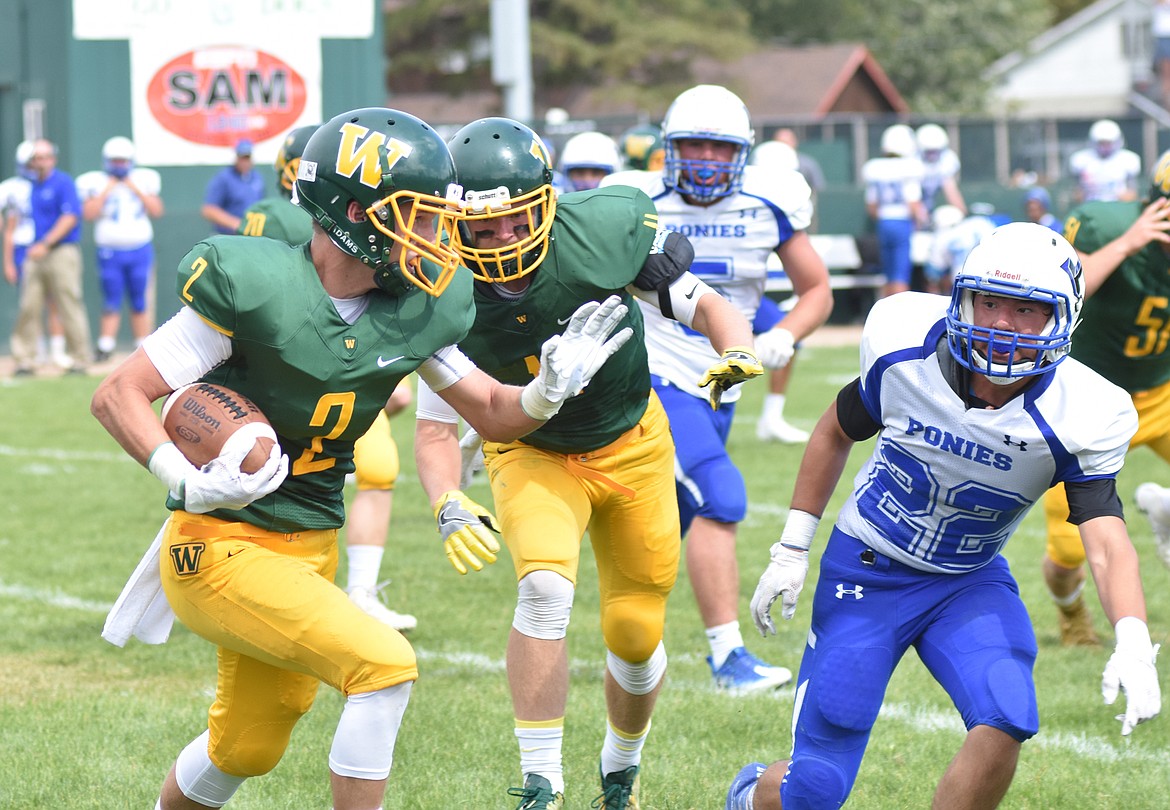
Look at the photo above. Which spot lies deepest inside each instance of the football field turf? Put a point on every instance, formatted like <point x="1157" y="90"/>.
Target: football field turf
<point x="85" y="725"/>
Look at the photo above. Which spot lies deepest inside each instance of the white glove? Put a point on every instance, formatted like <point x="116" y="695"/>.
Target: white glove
<point x="220" y="484"/>
<point x="569" y="361"/>
<point x="775" y="348"/>
<point x="1131" y="670"/>
<point x="471" y="457"/>
<point x="786" y="571"/>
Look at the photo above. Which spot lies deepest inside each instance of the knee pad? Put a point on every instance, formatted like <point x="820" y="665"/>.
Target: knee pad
<point x="198" y="777"/>
<point x="638" y="679"/>
<point x="363" y="745"/>
<point x="543" y="606"/>
<point x="1010" y="685"/>
<point x="813" y="783"/>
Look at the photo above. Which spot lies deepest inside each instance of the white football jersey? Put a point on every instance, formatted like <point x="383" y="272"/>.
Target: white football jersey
<point x="123" y="223"/>
<point x="1104" y="178"/>
<point x="947" y="485"/>
<point x="937" y="172"/>
<point x="16" y="199"/>
<point x="733" y="239"/>
<point x="892" y="183"/>
<point x="951" y="245"/>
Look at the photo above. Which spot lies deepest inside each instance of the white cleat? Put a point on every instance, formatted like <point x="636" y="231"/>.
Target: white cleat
<point x="368" y="601"/>
<point x="1154" y="502"/>
<point x="777" y="430"/>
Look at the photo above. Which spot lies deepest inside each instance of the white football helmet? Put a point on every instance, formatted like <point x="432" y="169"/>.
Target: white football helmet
<point x="707" y="112"/>
<point x="946" y="216"/>
<point x="932" y="140"/>
<point x="1019" y="260"/>
<point x="24" y="156"/>
<point x="898" y="140"/>
<point x="589" y="150"/>
<point x="118" y="156"/>
<point x="1105" y="135"/>
<point x="775" y="155"/>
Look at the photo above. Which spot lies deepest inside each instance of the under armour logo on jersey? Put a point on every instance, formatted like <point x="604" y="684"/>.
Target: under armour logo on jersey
<point x="186" y="558"/>
<point x="855" y="591"/>
<point x="1020" y="444"/>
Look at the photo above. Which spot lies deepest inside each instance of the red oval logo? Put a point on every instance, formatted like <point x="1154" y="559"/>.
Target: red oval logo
<point x="220" y="94"/>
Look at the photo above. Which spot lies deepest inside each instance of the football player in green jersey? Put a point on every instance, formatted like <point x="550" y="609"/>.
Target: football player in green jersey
<point x="1123" y="336"/>
<point x="318" y="336"/>
<point x="605" y="464"/>
<point x="279" y="217"/>
<point x="375" y="454"/>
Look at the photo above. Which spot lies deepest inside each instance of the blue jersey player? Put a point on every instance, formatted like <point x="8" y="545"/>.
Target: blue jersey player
<point x="977" y="410"/>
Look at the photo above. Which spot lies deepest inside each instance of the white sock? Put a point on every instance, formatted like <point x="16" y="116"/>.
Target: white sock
<point x="540" y="753"/>
<point x="106" y="343"/>
<point x="57" y="344"/>
<point x="621" y="750"/>
<point x="364" y="564"/>
<point x="723" y="639"/>
<point x="774" y="406"/>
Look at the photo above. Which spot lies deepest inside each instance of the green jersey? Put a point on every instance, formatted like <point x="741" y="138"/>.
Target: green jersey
<point x="277" y="218"/>
<point x="1125" y="325"/>
<point x="598" y="244"/>
<point x="320" y="381"/>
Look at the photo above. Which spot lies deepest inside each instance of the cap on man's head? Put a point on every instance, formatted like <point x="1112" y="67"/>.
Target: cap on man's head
<point x="244" y="148"/>
<point x="1040" y="195"/>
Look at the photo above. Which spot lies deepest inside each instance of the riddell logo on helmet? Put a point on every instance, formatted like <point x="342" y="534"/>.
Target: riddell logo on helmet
<point x="1008" y="276"/>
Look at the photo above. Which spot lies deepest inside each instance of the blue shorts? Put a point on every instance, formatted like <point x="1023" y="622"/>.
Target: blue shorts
<point x="971" y="631"/>
<point x="768" y="314"/>
<point x="125" y="273"/>
<point x="708" y="484"/>
<point x="894" y="248"/>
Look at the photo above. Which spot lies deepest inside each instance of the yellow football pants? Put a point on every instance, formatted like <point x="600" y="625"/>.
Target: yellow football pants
<point x="1064" y="541"/>
<point x="268" y="602"/>
<point x="624" y="495"/>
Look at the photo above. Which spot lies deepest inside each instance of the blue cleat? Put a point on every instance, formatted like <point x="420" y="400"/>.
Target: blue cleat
<point x="742" y="672"/>
<point x="743" y="787"/>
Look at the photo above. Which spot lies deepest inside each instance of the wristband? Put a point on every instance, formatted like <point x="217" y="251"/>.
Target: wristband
<point x="168" y="464"/>
<point x="536" y="405"/>
<point x="1133" y="634"/>
<point x="799" y="530"/>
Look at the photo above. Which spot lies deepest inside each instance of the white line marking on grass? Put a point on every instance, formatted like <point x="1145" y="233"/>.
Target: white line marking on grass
<point x="61" y="455"/>
<point x="53" y="598"/>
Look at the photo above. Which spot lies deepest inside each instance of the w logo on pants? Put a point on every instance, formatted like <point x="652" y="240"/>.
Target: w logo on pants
<point x="855" y="591"/>
<point x="186" y="557"/>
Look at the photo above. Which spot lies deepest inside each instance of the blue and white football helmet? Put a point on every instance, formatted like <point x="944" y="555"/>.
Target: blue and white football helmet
<point x="1019" y="260"/>
<point x="118" y="156"/>
<point x="707" y="112"/>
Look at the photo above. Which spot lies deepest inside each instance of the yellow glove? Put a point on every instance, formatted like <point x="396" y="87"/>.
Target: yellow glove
<point x="736" y="364"/>
<point x="464" y="525"/>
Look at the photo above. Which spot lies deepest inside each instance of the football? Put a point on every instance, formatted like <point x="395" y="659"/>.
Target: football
<point x="200" y="417"/>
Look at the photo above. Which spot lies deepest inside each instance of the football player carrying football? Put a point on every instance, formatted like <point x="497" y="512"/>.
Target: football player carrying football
<point x="977" y="408"/>
<point x="604" y="465"/>
<point x="318" y="336"/>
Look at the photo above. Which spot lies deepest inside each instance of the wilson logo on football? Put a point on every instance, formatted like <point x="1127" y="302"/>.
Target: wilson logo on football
<point x="217" y="95"/>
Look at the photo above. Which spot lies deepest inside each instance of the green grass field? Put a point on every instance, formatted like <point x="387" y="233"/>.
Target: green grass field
<point x="86" y="725"/>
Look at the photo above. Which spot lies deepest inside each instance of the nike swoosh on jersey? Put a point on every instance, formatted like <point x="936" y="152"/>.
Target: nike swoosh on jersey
<point x="383" y="363"/>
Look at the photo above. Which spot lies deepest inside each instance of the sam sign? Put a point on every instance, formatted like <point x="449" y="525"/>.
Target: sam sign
<point x="216" y="95"/>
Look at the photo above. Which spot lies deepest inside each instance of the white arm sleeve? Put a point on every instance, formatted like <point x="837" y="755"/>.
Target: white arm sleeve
<point x="685" y="292"/>
<point x="445" y="367"/>
<point x="185" y="348"/>
<point x="433" y="407"/>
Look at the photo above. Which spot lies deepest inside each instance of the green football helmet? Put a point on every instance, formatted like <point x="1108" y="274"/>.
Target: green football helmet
<point x="399" y="173"/>
<point x="643" y="148"/>
<point x="505" y="171"/>
<point x="289" y="157"/>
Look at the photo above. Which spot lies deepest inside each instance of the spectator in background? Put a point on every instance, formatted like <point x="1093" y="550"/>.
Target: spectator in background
<point x="1037" y="205"/>
<point x="121" y="199"/>
<point x="893" y="199"/>
<point x="940" y="168"/>
<point x="1105" y="170"/>
<point x="52" y="266"/>
<point x="586" y="159"/>
<point x="805" y="164"/>
<point x="232" y="190"/>
<point x="1160" y="28"/>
